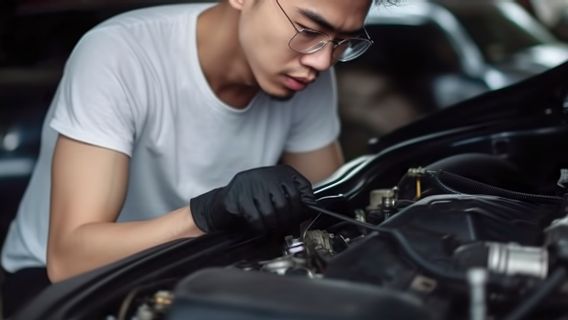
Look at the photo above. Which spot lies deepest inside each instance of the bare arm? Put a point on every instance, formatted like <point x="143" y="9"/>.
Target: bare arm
<point x="316" y="165"/>
<point x="88" y="189"/>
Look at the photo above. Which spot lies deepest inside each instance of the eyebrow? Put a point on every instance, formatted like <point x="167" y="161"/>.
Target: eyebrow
<point x="319" y="20"/>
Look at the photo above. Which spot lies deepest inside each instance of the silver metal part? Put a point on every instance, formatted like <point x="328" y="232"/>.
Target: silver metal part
<point x="320" y="241"/>
<point x="293" y="245"/>
<point x="416" y="172"/>
<point x="423" y="284"/>
<point x="360" y="215"/>
<point x="477" y="279"/>
<point x="558" y="222"/>
<point x="144" y="312"/>
<point x="383" y="198"/>
<point x="512" y="259"/>
<point x="279" y="265"/>
<point x="156" y="307"/>
<point x="283" y="265"/>
<point x="558" y="230"/>
<point x="162" y="300"/>
<point x="563" y="179"/>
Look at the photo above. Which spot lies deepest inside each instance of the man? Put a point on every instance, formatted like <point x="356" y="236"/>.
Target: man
<point x="169" y="123"/>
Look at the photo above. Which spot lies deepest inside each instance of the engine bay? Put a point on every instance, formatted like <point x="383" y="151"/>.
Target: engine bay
<point x="438" y="245"/>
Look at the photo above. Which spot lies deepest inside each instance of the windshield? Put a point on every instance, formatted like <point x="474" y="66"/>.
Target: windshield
<point x="500" y="29"/>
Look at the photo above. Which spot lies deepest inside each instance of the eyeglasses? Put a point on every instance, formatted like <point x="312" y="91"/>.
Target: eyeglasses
<point x="309" y="41"/>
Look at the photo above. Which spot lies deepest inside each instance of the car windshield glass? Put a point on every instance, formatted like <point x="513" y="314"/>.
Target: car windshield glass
<point x="500" y="30"/>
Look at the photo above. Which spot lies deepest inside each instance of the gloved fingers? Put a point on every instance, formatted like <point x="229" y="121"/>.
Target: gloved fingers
<point x="284" y="206"/>
<point x="250" y="213"/>
<point x="268" y="198"/>
<point x="305" y="189"/>
<point x="281" y="197"/>
<point x="290" y="191"/>
<point x="267" y="211"/>
<point x="294" y="208"/>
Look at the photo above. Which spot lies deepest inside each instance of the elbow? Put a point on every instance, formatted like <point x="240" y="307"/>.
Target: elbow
<point x="54" y="275"/>
<point x="60" y="259"/>
<point x="58" y="266"/>
<point x="53" y="262"/>
<point x="55" y="269"/>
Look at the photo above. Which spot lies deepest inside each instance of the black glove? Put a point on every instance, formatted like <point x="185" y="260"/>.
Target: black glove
<point x="264" y="199"/>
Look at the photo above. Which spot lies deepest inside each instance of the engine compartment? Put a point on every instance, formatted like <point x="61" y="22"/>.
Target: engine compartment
<point x="438" y="245"/>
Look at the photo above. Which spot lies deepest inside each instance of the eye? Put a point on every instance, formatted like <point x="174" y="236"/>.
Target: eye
<point x="309" y="33"/>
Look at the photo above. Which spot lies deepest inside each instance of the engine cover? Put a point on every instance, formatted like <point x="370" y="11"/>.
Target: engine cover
<point x="218" y="293"/>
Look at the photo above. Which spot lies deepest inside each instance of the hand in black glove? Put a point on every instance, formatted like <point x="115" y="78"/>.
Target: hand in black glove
<point x="264" y="199"/>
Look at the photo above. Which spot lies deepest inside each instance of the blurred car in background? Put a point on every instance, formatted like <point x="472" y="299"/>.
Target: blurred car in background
<point x="552" y="13"/>
<point x="560" y="29"/>
<point x="429" y="55"/>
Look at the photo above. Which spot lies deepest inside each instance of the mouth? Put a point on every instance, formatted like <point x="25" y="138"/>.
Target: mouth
<point x="296" y="83"/>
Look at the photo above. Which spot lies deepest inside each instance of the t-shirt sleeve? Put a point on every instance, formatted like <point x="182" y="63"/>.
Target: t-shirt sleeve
<point x="315" y="121"/>
<point x="93" y="103"/>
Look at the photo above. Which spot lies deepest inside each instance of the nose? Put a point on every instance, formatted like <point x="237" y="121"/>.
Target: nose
<point x="320" y="60"/>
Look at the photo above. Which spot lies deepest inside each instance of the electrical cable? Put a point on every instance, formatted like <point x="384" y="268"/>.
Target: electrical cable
<point x="538" y="295"/>
<point x="442" y="177"/>
<point x="303" y="237"/>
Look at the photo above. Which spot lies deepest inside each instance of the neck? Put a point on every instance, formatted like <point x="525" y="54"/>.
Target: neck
<point x="221" y="57"/>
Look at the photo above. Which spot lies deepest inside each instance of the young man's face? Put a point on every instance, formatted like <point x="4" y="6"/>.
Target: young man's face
<point x="265" y="33"/>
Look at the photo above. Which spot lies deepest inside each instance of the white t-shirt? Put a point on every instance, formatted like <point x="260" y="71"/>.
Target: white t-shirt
<point x="134" y="84"/>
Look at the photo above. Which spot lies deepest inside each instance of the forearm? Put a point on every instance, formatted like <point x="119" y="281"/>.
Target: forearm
<point x="316" y="165"/>
<point x="95" y="244"/>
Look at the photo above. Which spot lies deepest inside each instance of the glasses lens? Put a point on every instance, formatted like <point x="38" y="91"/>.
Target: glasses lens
<point x="308" y="41"/>
<point x="351" y="49"/>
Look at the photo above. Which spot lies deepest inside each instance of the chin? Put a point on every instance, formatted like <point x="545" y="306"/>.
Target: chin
<point x="280" y="93"/>
<point x="282" y="97"/>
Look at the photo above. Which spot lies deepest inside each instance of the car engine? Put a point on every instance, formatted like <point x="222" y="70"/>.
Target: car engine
<point x="440" y="244"/>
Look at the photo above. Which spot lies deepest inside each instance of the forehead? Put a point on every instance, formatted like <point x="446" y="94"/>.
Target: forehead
<point x="342" y="15"/>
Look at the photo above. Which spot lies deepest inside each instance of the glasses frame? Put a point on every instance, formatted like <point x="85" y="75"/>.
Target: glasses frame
<point x="323" y="43"/>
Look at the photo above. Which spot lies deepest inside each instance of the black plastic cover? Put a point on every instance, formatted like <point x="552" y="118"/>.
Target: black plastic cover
<point x="217" y="293"/>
